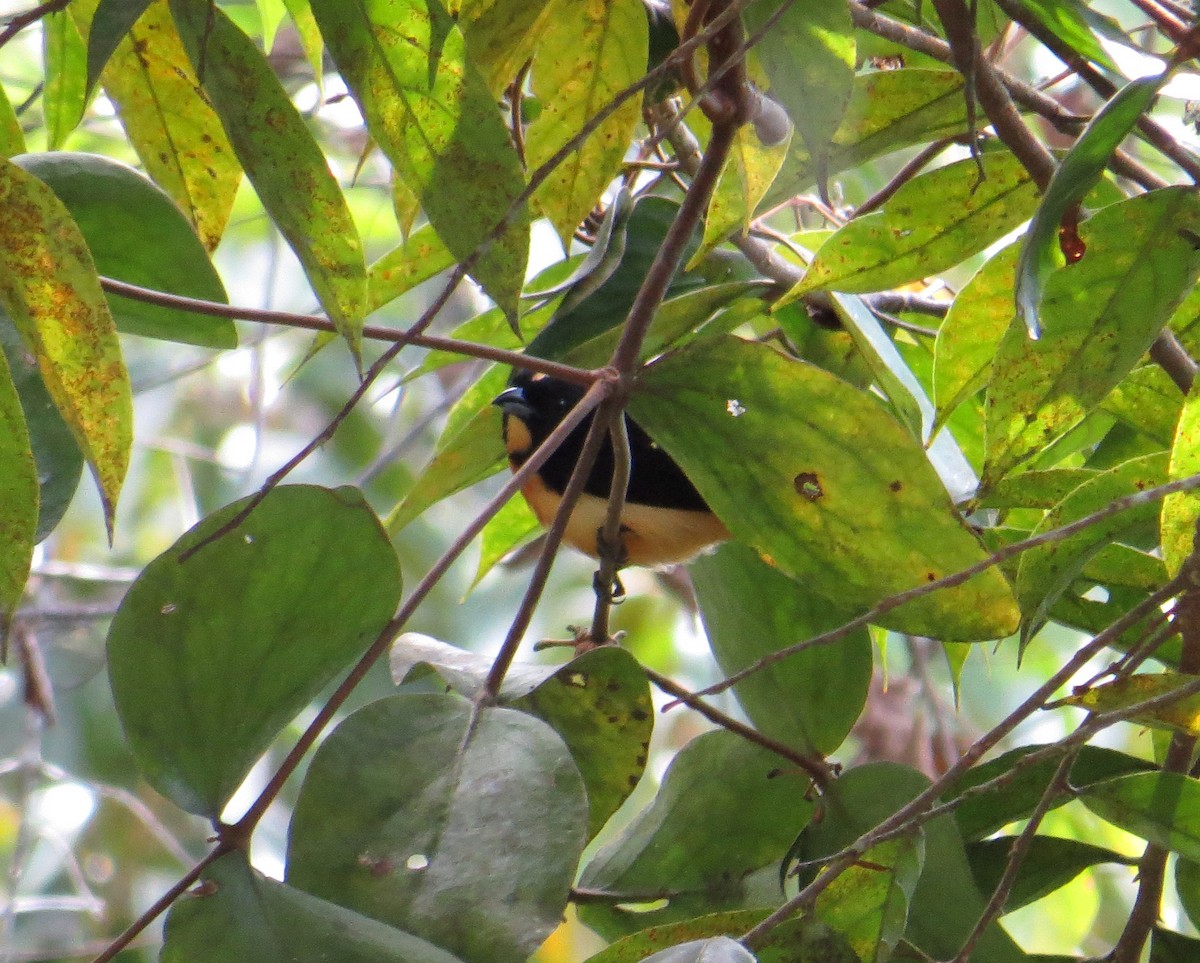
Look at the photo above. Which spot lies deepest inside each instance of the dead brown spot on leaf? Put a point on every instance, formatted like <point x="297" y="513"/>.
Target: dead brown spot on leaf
<point x="895" y="486"/>
<point x="808" y="485"/>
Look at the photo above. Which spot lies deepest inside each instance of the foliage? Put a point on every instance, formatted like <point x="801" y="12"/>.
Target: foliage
<point x="923" y="341"/>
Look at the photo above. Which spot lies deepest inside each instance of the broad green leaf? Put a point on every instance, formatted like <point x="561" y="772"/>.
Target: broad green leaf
<point x="242" y="915"/>
<point x="1071" y="21"/>
<point x="1101" y="315"/>
<point x="281" y="603"/>
<point x="110" y="22"/>
<point x="945" y="904"/>
<point x="57" y="457"/>
<point x="462" y="826"/>
<point x="725" y="808"/>
<point x="1180" y="716"/>
<point x="1048" y="864"/>
<point x="1187" y="887"/>
<point x="432" y="115"/>
<point x="48" y="286"/>
<point x="283" y="161"/>
<point x="137" y="234"/>
<point x="309" y="36"/>
<point x="18" y="497"/>
<point x="808" y="56"/>
<point x="65" y="93"/>
<point x="583" y="59"/>
<point x="1045" y="572"/>
<point x="888" y="109"/>
<point x="744" y="182"/>
<point x="169" y="123"/>
<point x="1161" y="807"/>
<point x="1180" y="510"/>
<point x="417" y="259"/>
<point x="910" y="238"/>
<point x="12" y="139"/>
<point x="974" y="325"/>
<point x="598" y="703"/>
<point x="1074" y="177"/>
<point x="809" y="701"/>
<point x="501" y="35"/>
<point x="513" y="525"/>
<point x="1036" y="489"/>
<point x="980" y="815"/>
<point x="803" y="940"/>
<point x="470" y="449"/>
<point x="824" y="484"/>
<point x="1148" y="401"/>
<point x="1170" y="947"/>
<point x="270" y="16"/>
<point x="868" y="903"/>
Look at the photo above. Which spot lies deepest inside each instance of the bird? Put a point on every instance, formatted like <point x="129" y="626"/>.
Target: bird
<point x="664" y="521"/>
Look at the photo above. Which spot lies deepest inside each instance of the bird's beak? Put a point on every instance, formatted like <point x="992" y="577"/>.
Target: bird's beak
<point x="512" y="402"/>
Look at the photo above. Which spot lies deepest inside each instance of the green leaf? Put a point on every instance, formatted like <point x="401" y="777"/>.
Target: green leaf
<point x="1161" y="807"/>
<point x="239" y="914"/>
<point x="888" y="109"/>
<point x="65" y="93"/>
<point x="1036" y="489"/>
<point x="1148" y="401"/>
<point x="981" y="815"/>
<point x="809" y="701"/>
<point x="910" y="238"/>
<point x="49" y="288"/>
<point x="1069" y="21"/>
<point x="283" y="161"/>
<point x="1180" y="510"/>
<point x="1045" y="572"/>
<point x="974" y="325"/>
<point x="808" y="56"/>
<point x="725" y="808"/>
<point x="861" y="799"/>
<point x="793" y="941"/>
<point x="281" y="604"/>
<point x="1187" y="887"/>
<point x="1074" y="177"/>
<point x="12" y="138"/>
<point x="598" y="703"/>
<point x="583" y="59"/>
<point x="309" y="36"/>
<point x="18" y="498"/>
<point x="868" y="903"/>
<point x="58" y="460"/>
<point x="745" y="180"/>
<point x="432" y="115"/>
<point x="1182" y="715"/>
<point x="175" y="132"/>
<point x="1101" y="315"/>
<point x="462" y="826"/>
<point x="421" y="256"/>
<point x="837" y="494"/>
<point x="1048" y="864"/>
<point x="716" y="949"/>
<point x="110" y="23"/>
<point x="136" y="234"/>
<point x="501" y="35"/>
<point x="1169" y="947"/>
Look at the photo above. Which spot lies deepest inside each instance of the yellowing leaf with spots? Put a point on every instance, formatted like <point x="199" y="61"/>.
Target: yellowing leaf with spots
<point x="1180" y="716"/>
<point x="819" y="478"/>
<point x="584" y="59"/>
<point x="48" y="286"/>
<point x="1177" y="525"/>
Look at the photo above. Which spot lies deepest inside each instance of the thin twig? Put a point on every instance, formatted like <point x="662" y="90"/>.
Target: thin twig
<point x="20" y="21"/>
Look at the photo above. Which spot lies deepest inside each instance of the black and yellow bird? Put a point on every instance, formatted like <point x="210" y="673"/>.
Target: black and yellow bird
<point x="664" y="520"/>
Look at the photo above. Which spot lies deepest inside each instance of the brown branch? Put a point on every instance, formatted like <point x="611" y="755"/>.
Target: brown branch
<point x="20" y="21"/>
<point x="817" y="768"/>
<point x="904" y="175"/>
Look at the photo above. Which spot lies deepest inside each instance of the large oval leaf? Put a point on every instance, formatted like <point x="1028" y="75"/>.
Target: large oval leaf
<point x="1160" y="807"/>
<point x="809" y="701"/>
<point x="212" y="653"/>
<point x="1101" y="314"/>
<point x="241" y="915"/>
<point x="461" y="826"/>
<point x="49" y="288"/>
<point x="137" y="234"/>
<point x="818" y="477"/>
